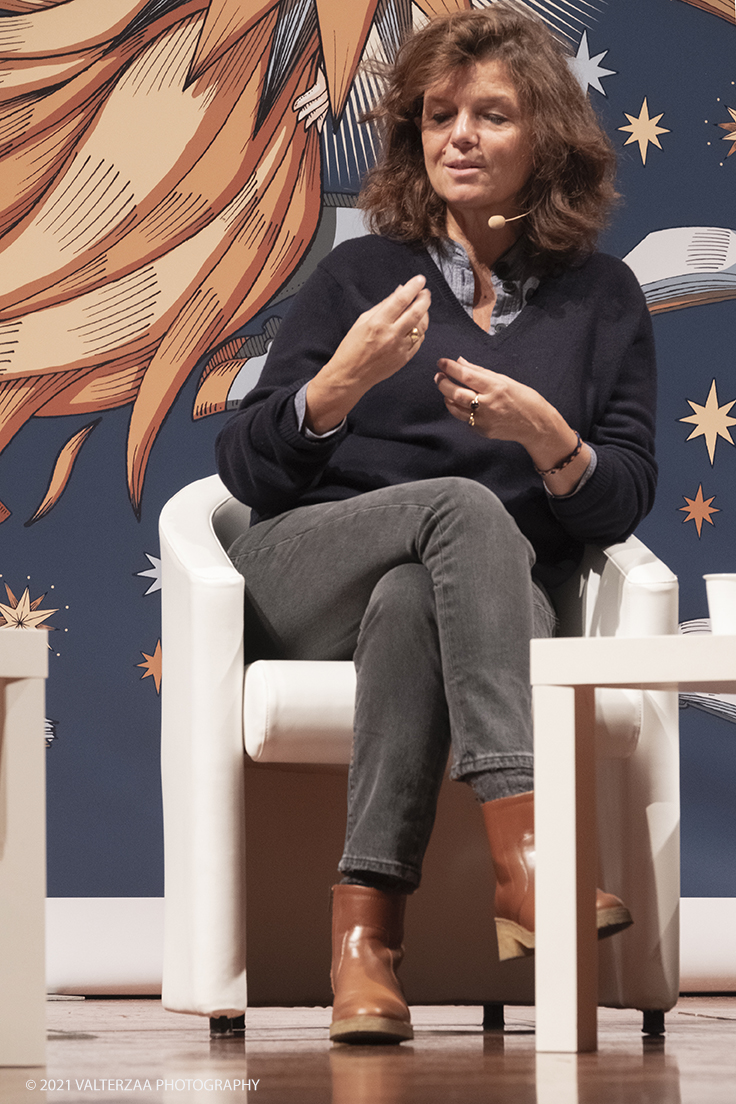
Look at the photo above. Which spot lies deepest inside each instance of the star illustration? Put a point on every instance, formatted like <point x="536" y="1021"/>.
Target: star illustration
<point x="644" y="130"/>
<point x="152" y="666"/>
<point x="730" y="128"/>
<point x="699" y="509"/>
<point x="154" y="572"/>
<point x="587" y="69"/>
<point x="22" y="613"/>
<point x="711" y="421"/>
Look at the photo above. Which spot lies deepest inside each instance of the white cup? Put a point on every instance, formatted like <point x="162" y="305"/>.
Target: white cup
<point x="721" y="591"/>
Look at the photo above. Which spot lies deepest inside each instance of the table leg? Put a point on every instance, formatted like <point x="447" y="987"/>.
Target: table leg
<point x="556" y="1078"/>
<point x="22" y="873"/>
<point x="566" y="944"/>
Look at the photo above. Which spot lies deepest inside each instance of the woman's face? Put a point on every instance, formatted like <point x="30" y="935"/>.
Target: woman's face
<point x="477" y="149"/>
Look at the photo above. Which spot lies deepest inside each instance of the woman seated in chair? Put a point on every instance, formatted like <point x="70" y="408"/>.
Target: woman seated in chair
<point x="453" y="406"/>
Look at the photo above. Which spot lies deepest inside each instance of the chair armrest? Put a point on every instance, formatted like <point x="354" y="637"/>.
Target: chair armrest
<point x="202" y="622"/>
<point x="202" y="758"/>
<point x="622" y="590"/>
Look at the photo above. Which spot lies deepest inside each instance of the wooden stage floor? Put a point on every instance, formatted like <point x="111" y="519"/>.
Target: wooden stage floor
<point x="132" y="1050"/>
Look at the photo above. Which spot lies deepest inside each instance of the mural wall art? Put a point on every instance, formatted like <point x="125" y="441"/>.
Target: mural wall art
<point x="171" y="171"/>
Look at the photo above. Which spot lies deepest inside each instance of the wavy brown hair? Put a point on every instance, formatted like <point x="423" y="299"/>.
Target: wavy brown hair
<point x="570" y="190"/>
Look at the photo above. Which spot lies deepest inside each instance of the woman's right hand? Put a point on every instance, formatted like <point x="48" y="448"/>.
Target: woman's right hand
<point x="377" y="345"/>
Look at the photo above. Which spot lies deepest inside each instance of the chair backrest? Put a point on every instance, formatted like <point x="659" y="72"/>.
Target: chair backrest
<point x="229" y="520"/>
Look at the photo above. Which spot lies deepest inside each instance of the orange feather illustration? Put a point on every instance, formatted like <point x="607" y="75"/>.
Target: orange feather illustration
<point x="157" y="189"/>
<point x="160" y="183"/>
<point x="62" y="471"/>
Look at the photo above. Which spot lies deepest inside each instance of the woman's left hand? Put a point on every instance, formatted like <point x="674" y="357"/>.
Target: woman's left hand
<point x="506" y="410"/>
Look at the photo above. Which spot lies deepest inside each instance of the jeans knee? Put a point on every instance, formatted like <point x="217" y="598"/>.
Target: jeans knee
<point x="479" y="508"/>
<point x="404" y="595"/>
<point x="455" y="492"/>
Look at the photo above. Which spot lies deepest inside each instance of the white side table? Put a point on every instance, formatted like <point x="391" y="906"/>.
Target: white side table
<point x="23" y="668"/>
<point x="564" y="674"/>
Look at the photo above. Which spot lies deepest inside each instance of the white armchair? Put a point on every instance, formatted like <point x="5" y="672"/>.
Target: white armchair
<point x="268" y="746"/>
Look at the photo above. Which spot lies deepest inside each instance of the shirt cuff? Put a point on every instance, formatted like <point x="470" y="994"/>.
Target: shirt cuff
<point x="300" y="407"/>
<point x="583" y="478"/>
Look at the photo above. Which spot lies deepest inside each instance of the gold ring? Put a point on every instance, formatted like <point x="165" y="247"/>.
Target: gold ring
<point x="475" y="403"/>
<point x="414" y="336"/>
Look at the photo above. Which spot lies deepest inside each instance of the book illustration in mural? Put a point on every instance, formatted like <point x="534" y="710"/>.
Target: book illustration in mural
<point x="683" y="266"/>
<point x="699" y="509"/>
<point x="242" y="362"/>
<point x="644" y="130"/>
<point x="152" y="666"/>
<point x="50" y="731"/>
<point x="711" y="421"/>
<point x="720" y="705"/>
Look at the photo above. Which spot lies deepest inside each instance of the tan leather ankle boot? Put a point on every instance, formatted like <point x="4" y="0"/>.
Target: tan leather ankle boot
<point x="510" y="826"/>
<point x="367" y="947"/>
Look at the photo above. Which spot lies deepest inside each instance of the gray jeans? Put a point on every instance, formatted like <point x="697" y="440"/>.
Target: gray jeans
<point x="428" y="587"/>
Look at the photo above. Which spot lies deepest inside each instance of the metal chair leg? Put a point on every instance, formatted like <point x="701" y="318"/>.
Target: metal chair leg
<point x="653" y="1022"/>
<point x="226" y="1025"/>
<point x="493" y="1016"/>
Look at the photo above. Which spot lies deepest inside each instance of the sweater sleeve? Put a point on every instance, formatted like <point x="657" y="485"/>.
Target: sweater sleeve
<point x="262" y="457"/>
<point x="620" y="492"/>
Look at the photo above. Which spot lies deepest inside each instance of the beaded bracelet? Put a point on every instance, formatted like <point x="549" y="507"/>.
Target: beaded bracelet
<point x="563" y="463"/>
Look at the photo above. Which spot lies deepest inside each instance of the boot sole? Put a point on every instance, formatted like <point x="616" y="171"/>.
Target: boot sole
<point x="513" y="940"/>
<point x="517" y="942"/>
<point x="613" y="920"/>
<point x="374" y="1030"/>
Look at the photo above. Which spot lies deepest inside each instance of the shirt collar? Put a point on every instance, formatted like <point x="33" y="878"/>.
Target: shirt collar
<point x="515" y="264"/>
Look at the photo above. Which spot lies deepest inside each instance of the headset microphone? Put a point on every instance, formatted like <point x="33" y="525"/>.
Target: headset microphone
<point x="497" y="222"/>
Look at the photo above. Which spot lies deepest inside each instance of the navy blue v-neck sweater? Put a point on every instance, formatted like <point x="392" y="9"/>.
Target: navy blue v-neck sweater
<point x="583" y="340"/>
